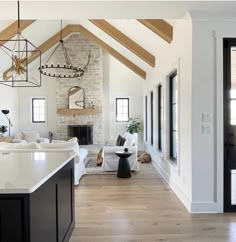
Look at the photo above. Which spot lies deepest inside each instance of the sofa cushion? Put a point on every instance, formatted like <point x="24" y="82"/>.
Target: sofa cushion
<point x="31" y="136"/>
<point x="130" y="140"/>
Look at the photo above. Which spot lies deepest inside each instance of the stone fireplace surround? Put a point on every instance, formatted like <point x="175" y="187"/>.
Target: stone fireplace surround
<point x="92" y="82"/>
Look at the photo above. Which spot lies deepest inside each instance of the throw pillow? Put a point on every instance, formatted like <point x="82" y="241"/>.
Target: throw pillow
<point x="31" y="136"/>
<point x="99" y="158"/>
<point x="119" y="140"/>
<point x="123" y="140"/>
<point x="73" y="140"/>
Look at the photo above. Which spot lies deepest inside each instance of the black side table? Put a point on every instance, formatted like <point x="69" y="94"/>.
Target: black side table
<point x="123" y="167"/>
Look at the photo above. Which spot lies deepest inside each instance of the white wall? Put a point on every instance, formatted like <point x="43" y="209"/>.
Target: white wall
<point x="207" y="157"/>
<point x="119" y="81"/>
<point x="9" y="100"/>
<point x="177" y="55"/>
<point x="48" y="90"/>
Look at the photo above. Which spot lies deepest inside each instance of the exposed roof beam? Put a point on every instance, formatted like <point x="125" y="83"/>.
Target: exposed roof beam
<point x="78" y="28"/>
<point x="109" y="49"/>
<point x="124" y="40"/>
<point x="160" y="27"/>
<point x="11" y="30"/>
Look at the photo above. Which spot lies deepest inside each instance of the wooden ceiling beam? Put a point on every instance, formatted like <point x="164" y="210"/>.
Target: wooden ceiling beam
<point x="11" y="30"/>
<point x="159" y="27"/>
<point x="125" y="41"/>
<point x="69" y="29"/>
<point x="109" y="49"/>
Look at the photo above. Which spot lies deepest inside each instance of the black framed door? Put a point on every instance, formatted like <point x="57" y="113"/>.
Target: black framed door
<point x="229" y="124"/>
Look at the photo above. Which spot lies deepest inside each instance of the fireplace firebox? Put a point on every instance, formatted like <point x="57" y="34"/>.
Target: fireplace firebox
<point x="84" y="133"/>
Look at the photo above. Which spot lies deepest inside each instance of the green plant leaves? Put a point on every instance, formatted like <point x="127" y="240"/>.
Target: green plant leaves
<point x="3" y="129"/>
<point x="134" y="125"/>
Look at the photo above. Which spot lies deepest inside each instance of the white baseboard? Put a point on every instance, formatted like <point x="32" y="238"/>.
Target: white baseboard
<point x="206" y="207"/>
<point x="192" y="207"/>
<point x="173" y="186"/>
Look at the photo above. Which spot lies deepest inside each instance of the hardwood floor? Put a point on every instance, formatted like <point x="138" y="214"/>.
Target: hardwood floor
<point x="142" y="208"/>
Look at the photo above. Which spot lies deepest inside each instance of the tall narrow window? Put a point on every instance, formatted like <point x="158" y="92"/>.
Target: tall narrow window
<point x="122" y="109"/>
<point x="151" y="117"/>
<point x="38" y="110"/>
<point x="173" y="117"/>
<point x="146" y="126"/>
<point x="160" y="118"/>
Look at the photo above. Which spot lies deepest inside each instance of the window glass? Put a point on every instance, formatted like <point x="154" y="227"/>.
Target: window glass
<point x="146" y="126"/>
<point x="173" y="117"/>
<point x="160" y="117"/>
<point x="122" y="109"/>
<point x="38" y="110"/>
<point x="151" y="113"/>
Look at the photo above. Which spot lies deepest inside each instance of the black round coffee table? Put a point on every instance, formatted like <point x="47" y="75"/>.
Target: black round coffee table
<point x="123" y="167"/>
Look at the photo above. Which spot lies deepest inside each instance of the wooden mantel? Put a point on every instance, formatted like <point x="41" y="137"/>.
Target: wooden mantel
<point x="77" y="111"/>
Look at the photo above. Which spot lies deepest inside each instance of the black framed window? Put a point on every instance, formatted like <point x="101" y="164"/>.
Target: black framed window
<point x="38" y="110"/>
<point x="151" y="116"/>
<point x="122" y="109"/>
<point x="160" y="118"/>
<point x="146" y="125"/>
<point x="173" y="116"/>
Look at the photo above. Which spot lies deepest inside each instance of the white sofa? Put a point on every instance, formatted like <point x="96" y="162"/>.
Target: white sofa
<point x="29" y="136"/>
<point x="111" y="160"/>
<point x="73" y="147"/>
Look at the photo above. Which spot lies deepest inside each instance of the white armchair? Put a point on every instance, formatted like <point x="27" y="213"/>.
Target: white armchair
<point x="29" y="136"/>
<point x="111" y="160"/>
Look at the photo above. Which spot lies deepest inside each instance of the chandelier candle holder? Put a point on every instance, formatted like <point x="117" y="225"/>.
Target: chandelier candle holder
<point x="65" y="70"/>
<point x="16" y="54"/>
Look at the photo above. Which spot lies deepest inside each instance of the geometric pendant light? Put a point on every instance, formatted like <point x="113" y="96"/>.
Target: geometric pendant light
<point x="14" y="58"/>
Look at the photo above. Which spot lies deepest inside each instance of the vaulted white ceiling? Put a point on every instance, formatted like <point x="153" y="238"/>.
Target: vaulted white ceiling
<point x="121" y="14"/>
<point x="76" y="9"/>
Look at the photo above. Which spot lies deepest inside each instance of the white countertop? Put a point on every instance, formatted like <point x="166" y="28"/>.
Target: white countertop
<point x="24" y="172"/>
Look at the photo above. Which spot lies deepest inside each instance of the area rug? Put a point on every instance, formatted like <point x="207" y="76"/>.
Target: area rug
<point x="93" y="169"/>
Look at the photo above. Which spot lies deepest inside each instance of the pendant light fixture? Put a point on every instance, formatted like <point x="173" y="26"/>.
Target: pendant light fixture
<point x="16" y="55"/>
<point x="64" y="69"/>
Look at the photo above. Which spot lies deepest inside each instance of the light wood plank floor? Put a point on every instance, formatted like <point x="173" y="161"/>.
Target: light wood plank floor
<point x="142" y="208"/>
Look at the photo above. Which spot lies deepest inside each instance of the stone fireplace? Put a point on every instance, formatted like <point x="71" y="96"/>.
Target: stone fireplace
<point x="92" y="83"/>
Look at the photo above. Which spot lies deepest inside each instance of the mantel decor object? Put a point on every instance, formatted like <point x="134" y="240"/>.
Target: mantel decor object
<point x="64" y="69"/>
<point x="15" y="54"/>
<point x="76" y="98"/>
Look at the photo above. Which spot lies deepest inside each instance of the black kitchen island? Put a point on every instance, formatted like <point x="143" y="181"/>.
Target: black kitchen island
<point x="36" y="196"/>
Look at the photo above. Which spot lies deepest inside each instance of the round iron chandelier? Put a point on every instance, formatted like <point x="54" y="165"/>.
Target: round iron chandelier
<point x="65" y="70"/>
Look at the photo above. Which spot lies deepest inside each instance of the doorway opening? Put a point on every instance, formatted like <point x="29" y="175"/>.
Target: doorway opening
<point x="229" y="124"/>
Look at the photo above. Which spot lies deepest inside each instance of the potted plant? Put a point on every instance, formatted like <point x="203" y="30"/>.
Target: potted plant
<point x="134" y="125"/>
<point x="3" y="129"/>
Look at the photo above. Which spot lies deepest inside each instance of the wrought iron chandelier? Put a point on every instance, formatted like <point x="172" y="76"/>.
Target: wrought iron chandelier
<point x="16" y="54"/>
<point x="65" y="70"/>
